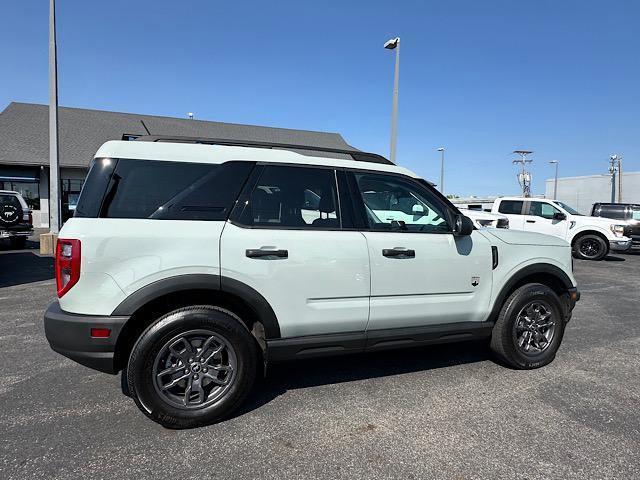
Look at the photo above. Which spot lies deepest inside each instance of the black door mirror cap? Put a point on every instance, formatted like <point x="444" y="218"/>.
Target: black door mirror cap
<point x="559" y="216"/>
<point x="463" y="226"/>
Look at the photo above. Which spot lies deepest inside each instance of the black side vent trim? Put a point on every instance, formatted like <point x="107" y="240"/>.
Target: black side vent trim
<point x="494" y="256"/>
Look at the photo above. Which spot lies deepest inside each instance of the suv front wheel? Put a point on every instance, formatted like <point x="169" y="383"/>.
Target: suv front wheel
<point x="529" y="328"/>
<point x="590" y="247"/>
<point x="192" y="367"/>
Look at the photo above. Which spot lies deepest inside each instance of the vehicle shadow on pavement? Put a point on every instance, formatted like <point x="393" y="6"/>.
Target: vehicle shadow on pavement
<point x="611" y="258"/>
<point x="24" y="267"/>
<point x="331" y="370"/>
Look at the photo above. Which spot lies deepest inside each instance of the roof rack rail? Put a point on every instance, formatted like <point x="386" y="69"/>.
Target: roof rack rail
<point x="356" y="155"/>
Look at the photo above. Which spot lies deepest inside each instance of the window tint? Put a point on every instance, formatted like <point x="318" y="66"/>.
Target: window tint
<point x="11" y="200"/>
<point x="392" y="203"/>
<point x="613" y="212"/>
<point x="542" y="209"/>
<point x="635" y="213"/>
<point x="297" y="197"/>
<point x="173" y="190"/>
<point x="94" y="188"/>
<point x="511" y="207"/>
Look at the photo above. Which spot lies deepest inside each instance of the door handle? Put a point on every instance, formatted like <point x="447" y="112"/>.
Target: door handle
<point x="259" y="253"/>
<point x="531" y="221"/>
<point x="399" y="252"/>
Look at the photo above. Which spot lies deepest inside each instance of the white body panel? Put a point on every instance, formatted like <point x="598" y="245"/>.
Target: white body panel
<point x="566" y="229"/>
<point x="323" y="285"/>
<point x="120" y="256"/>
<point x="435" y="286"/>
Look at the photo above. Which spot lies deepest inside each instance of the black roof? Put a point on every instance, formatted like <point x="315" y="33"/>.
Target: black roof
<point x="24" y="133"/>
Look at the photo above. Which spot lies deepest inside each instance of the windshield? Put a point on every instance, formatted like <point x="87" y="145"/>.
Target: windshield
<point x="569" y="209"/>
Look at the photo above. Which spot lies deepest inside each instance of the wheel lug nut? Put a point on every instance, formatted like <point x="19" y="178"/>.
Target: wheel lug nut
<point x="195" y="376"/>
<point x="204" y="370"/>
<point x="186" y="371"/>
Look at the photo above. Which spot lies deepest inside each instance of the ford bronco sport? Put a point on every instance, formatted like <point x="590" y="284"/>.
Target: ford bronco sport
<point x="190" y="265"/>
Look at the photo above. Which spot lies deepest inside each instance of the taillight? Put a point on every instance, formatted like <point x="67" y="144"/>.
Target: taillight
<point x="67" y="265"/>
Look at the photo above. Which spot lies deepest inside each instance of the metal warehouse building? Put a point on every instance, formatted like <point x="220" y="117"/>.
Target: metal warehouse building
<point x="24" y="146"/>
<point x="582" y="192"/>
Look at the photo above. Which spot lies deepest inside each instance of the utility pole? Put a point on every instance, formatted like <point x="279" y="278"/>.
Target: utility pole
<point x="620" y="179"/>
<point x="524" y="177"/>
<point x="613" y="166"/>
<point x="54" y="168"/>
<point x="555" y="181"/>
<point x="394" y="44"/>
<point x="441" y="150"/>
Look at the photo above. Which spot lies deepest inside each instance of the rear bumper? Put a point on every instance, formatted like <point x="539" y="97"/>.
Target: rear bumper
<point x="70" y="335"/>
<point x="619" y="245"/>
<point x="23" y="232"/>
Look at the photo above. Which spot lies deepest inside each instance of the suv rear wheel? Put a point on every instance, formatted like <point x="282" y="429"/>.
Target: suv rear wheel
<point x="530" y="327"/>
<point x="192" y="367"/>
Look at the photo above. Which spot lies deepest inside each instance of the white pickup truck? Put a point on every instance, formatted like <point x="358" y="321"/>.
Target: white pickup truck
<point x="590" y="237"/>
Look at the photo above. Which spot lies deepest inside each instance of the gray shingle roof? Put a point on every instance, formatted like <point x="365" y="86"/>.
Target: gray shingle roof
<point x="24" y="133"/>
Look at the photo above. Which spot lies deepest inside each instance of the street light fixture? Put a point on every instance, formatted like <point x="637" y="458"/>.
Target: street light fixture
<point x="394" y="44"/>
<point x="555" y="182"/>
<point x="441" y="150"/>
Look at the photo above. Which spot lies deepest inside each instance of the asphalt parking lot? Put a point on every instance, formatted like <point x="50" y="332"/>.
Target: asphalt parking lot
<point x="438" y="412"/>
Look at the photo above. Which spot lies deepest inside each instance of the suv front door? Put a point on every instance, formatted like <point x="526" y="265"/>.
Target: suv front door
<point x="421" y="274"/>
<point x="540" y="218"/>
<point x="285" y="239"/>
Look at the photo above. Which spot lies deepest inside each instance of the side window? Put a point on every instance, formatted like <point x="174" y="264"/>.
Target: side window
<point x="542" y="209"/>
<point x="635" y="213"/>
<point x="612" y="212"/>
<point x="173" y="190"/>
<point x="511" y="207"/>
<point x="293" y="197"/>
<point x="392" y="203"/>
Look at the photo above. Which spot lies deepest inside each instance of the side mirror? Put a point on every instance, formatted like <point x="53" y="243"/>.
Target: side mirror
<point x="463" y="226"/>
<point x="417" y="209"/>
<point x="559" y="216"/>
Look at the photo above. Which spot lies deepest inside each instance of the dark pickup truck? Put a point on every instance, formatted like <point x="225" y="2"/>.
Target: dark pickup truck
<point x="629" y="212"/>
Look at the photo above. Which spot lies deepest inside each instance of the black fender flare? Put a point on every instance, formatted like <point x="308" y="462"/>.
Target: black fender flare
<point x="529" y="270"/>
<point x="165" y="286"/>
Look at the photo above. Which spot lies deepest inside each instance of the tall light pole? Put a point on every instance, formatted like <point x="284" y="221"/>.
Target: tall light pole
<point x="441" y="150"/>
<point x="555" y="181"/>
<point x="524" y="177"/>
<point x="394" y="44"/>
<point x="54" y="169"/>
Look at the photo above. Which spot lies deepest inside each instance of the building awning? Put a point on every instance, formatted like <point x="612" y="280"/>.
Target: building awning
<point x="20" y="174"/>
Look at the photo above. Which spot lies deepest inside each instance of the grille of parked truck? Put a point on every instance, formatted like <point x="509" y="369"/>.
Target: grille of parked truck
<point x="191" y="265"/>
<point x="626" y="212"/>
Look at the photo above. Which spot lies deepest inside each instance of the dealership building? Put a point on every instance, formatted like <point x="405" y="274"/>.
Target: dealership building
<point x="582" y="192"/>
<point x="24" y="146"/>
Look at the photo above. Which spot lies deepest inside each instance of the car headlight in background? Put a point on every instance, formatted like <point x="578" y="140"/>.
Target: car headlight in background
<point x="618" y="230"/>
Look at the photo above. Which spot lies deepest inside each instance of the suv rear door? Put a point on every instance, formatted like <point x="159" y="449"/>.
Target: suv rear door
<point x="513" y="210"/>
<point x="421" y="274"/>
<point x="289" y="239"/>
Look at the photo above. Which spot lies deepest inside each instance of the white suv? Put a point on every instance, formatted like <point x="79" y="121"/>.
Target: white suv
<point x="191" y="267"/>
<point x="591" y="238"/>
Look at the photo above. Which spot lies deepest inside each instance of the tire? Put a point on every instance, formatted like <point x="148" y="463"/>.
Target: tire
<point x="518" y="316"/>
<point x="590" y="247"/>
<point x="220" y="382"/>
<point x="18" y="242"/>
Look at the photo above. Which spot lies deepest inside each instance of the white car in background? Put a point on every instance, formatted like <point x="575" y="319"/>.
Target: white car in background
<point x="482" y="219"/>
<point x="591" y="238"/>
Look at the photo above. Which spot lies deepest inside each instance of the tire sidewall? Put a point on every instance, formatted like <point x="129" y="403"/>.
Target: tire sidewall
<point x="144" y="352"/>
<point x="603" y="247"/>
<point x="513" y="308"/>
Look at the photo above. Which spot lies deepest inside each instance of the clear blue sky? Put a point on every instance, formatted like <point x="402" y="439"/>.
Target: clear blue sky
<point x="481" y="78"/>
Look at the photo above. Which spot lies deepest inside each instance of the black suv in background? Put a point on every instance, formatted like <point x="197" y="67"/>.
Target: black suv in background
<point x="15" y="218"/>
<point x="629" y="212"/>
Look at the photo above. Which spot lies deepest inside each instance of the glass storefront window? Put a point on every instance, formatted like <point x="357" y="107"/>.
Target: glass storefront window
<point x="29" y="191"/>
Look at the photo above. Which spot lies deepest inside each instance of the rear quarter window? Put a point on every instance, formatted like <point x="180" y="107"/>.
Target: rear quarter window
<point x="511" y="207"/>
<point x="162" y="190"/>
